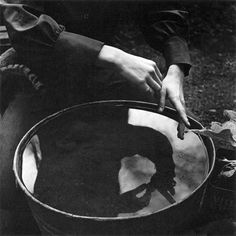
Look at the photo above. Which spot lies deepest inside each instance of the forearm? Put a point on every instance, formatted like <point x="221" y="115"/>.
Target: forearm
<point x="166" y="30"/>
<point x="37" y="37"/>
<point x="109" y="57"/>
<point x="176" y="52"/>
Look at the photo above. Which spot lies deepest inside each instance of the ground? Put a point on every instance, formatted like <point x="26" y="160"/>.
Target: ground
<point x="211" y="87"/>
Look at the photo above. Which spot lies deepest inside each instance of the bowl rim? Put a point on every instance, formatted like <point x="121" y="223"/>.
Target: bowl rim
<point x="169" y="112"/>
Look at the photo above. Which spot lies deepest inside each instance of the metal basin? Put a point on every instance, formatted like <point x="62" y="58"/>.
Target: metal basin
<point x="93" y="145"/>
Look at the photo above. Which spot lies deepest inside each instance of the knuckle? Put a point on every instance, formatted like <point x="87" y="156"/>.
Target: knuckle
<point x="148" y="90"/>
<point x="151" y="70"/>
<point x="152" y="63"/>
<point x="175" y="99"/>
<point x="141" y="81"/>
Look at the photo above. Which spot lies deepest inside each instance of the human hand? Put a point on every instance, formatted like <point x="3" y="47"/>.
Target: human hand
<point x="140" y="72"/>
<point x="172" y="87"/>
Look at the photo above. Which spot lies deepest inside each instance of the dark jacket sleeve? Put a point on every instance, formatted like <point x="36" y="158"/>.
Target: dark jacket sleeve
<point x="166" y="30"/>
<point x="37" y="36"/>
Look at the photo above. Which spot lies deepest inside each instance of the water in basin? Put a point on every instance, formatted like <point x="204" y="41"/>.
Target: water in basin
<point x="114" y="162"/>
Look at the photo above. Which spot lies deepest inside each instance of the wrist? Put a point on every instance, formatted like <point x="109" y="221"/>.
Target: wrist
<point x="175" y="69"/>
<point x="109" y="57"/>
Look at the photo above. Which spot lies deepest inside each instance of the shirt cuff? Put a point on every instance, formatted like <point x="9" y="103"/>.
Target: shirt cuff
<point x="176" y="52"/>
<point x="74" y="48"/>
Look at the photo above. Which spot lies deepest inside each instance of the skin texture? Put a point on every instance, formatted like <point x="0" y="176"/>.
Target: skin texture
<point x="172" y="88"/>
<point x="146" y="77"/>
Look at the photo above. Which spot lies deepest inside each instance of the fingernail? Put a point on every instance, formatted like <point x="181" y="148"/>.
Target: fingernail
<point x="188" y="124"/>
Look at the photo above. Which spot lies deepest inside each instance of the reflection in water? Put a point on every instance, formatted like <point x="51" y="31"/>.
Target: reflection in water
<point x="105" y="166"/>
<point x="32" y="157"/>
<point x="189" y="155"/>
<point x="141" y="183"/>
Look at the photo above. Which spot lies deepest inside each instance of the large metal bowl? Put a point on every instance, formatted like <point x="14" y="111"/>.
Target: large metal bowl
<point x="197" y="151"/>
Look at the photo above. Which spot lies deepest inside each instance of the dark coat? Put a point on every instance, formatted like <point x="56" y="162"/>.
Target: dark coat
<point x="75" y="31"/>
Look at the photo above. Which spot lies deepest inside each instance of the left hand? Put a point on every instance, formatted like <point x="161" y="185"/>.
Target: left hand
<point x="172" y="87"/>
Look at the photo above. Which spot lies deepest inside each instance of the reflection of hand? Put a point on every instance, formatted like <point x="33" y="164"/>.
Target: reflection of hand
<point x="135" y="199"/>
<point x="140" y="72"/>
<point x="164" y="181"/>
<point x="172" y="87"/>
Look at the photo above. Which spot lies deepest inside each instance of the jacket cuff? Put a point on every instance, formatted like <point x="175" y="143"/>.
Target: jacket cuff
<point x="74" y="48"/>
<point x="176" y="52"/>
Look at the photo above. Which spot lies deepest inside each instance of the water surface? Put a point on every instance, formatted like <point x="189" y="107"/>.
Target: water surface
<point x="117" y="162"/>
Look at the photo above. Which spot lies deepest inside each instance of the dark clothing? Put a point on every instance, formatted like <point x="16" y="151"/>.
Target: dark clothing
<point x="49" y="33"/>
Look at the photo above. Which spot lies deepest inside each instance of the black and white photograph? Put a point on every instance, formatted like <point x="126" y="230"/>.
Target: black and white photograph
<point x="118" y="117"/>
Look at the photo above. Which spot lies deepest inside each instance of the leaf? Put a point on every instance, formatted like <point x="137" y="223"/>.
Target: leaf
<point x="224" y="134"/>
<point x="230" y="114"/>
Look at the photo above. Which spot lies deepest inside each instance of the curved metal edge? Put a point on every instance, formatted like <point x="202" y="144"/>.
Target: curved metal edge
<point x="170" y="112"/>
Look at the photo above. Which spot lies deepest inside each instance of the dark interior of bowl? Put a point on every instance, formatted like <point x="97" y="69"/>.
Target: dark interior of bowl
<point x="109" y="161"/>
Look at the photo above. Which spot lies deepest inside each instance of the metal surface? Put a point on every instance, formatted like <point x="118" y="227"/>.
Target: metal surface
<point x="195" y="151"/>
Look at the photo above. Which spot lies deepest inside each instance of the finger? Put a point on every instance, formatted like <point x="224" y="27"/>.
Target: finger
<point x="154" y="85"/>
<point x="181" y="110"/>
<point x="139" y="189"/>
<point x="182" y="100"/>
<point x="144" y="200"/>
<point x="181" y="129"/>
<point x="158" y="78"/>
<point x="146" y="89"/>
<point x="159" y="75"/>
<point x="162" y="100"/>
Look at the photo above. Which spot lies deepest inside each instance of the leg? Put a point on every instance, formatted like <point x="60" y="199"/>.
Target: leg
<point x="19" y="117"/>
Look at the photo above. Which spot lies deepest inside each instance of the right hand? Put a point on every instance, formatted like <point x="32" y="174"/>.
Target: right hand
<point x="140" y="72"/>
